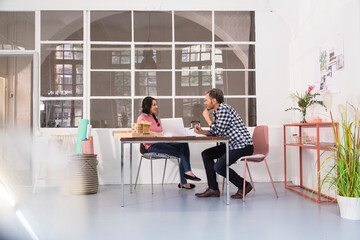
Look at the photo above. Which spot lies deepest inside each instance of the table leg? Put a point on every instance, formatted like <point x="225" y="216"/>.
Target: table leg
<point x="122" y="174"/>
<point x="285" y="178"/>
<point x="227" y="174"/>
<point x="130" y="167"/>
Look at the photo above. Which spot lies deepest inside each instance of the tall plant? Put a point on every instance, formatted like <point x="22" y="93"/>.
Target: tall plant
<point x="344" y="174"/>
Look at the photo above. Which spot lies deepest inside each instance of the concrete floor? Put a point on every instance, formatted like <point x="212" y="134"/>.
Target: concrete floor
<point x="173" y="214"/>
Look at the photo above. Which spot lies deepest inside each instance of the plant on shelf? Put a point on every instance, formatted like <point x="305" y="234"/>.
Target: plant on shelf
<point x="344" y="173"/>
<point x="304" y="101"/>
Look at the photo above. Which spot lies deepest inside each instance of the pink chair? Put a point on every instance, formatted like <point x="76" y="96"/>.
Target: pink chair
<point x="260" y="140"/>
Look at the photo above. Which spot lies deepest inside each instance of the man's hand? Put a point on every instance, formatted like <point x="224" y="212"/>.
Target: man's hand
<point x="206" y="115"/>
<point x="198" y="129"/>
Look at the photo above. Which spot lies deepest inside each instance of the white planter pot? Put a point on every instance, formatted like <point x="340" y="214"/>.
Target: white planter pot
<point x="349" y="207"/>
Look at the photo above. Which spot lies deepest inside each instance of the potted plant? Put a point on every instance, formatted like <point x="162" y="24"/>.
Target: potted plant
<point x="304" y="101"/>
<point x="344" y="173"/>
<point x="124" y="119"/>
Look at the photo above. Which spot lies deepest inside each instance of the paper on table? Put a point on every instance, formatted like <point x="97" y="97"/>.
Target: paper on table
<point x="190" y="132"/>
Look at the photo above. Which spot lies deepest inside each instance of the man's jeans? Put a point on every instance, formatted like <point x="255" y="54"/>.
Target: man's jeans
<point x="211" y="167"/>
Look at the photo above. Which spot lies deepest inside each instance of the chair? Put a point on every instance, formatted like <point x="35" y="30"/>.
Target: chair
<point x="260" y="140"/>
<point x="154" y="156"/>
<point x="64" y="142"/>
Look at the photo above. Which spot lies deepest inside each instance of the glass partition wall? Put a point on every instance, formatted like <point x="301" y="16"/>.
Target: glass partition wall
<point x="101" y="64"/>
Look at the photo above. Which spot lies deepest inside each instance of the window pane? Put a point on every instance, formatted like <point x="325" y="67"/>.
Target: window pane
<point x="236" y="82"/>
<point x="60" y="113"/>
<point x="110" y="26"/>
<point x="110" y="113"/>
<point x="110" y="84"/>
<point x="153" y="84"/>
<point x="196" y="56"/>
<point x="193" y="26"/>
<point x="153" y="57"/>
<point x="235" y="56"/>
<point x="246" y="108"/>
<point x="17" y="30"/>
<point x="110" y="56"/>
<point x="164" y="110"/>
<point x="61" y="70"/>
<point x="192" y="83"/>
<point x="62" y="25"/>
<point x="190" y="109"/>
<point x="234" y="26"/>
<point x="152" y="26"/>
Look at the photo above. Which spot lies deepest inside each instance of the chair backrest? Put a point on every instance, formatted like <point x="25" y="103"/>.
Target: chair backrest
<point x="260" y="139"/>
<point x="143" y="150"/>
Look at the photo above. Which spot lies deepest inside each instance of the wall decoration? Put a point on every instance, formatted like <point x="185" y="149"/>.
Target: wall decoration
<point x="331" y="59"/>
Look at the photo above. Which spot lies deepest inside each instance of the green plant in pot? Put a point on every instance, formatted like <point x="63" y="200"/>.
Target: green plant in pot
<point x="124" y="119"/>
<point x="304" y="101"/>
<point x="344" y="172"/>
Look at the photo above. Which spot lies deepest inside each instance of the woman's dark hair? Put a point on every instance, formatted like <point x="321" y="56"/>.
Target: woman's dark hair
<point x="217" y="94"/>
<point x="146" y="106"/>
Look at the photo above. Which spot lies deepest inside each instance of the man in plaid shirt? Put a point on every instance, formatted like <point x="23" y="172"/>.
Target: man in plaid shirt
<point x="227" y="122"/>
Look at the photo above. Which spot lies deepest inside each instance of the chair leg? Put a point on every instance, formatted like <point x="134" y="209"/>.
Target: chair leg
<point x="244" y="180"/>
<point x="137" y="175"/>
<point x="152" y="184"/>
<point x="271" y="178"/>
<point x="179" y="173"/>
<point x="164" y="172"/>
<point x="37" y="177"/>
<point x="223" y="184"/>
<point x="252" y="183"/>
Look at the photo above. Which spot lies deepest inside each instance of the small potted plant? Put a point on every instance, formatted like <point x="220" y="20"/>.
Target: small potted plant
<point x="124" y="119"/>
<point x="304" y="101"/>
<point x="344" y="173"/>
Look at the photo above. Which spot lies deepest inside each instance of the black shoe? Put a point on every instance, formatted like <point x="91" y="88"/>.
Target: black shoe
<point x="191" y="186"/>
<point x="192" y="178"/>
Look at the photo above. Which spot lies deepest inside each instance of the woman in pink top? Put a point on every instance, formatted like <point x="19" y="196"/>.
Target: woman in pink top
<point x="180" y="150"/>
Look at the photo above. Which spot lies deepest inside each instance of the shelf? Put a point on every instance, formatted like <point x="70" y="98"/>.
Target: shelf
<point x="309" y="124"/>
<point x="318" y="146"/>
<point x="309" y="146"/>
<point x="307" y="192"/>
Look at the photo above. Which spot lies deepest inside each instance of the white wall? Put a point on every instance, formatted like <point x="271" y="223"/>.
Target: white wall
<point x="273" y="35"/>
<point x="320" y="25"/>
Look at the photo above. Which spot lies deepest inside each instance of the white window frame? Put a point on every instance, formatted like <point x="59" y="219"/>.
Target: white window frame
<point x="86" y="98"/>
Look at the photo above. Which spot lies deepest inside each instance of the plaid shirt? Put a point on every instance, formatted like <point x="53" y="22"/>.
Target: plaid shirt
<point x="227" y="122"/>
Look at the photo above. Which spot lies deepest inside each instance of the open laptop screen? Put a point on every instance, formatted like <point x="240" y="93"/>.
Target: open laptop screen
<point x="173" y="127"/>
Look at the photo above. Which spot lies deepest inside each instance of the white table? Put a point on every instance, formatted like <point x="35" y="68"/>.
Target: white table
<point x="188" y="139"/>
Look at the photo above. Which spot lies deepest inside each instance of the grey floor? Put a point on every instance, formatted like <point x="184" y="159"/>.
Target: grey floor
<point x="173" y="214"/>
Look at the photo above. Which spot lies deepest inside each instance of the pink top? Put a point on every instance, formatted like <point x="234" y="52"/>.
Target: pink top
<point x="153" y="128"/>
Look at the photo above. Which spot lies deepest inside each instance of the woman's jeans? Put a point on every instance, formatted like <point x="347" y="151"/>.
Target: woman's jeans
<point x="180" y="150"/>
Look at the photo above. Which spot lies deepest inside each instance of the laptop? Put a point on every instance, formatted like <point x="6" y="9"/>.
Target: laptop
<point x="174" y="127"/>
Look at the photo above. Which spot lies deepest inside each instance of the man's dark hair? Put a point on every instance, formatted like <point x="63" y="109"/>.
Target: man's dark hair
<point x="217" y="94"/>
